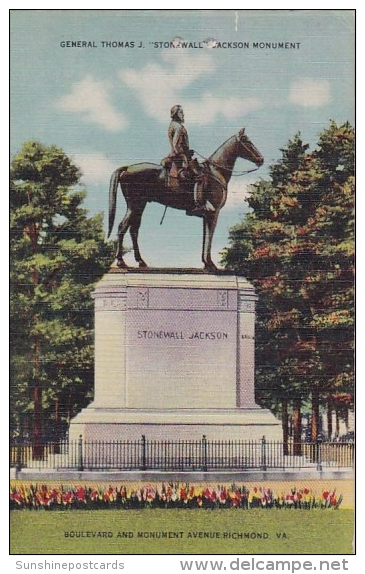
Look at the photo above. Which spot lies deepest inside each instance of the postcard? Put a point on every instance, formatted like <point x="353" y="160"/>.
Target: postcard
<point x="182" y="308"/>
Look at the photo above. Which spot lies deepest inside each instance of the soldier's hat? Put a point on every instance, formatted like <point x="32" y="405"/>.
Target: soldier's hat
<point x="174" y="110"/>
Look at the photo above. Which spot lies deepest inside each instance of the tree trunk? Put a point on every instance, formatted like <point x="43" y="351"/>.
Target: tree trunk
<point x="329" y="418"/>
<point x="315" y="427"/>
<point x="37" y="424"/>
<point x="37" y="389"/>
<point x="56" y="438"/>
<point x="285" y="426"/>
<point x="297" y="420"/>
<point x="37" y="398"/>
<point x="347" y="418"/>
<point x="337" y="422"/>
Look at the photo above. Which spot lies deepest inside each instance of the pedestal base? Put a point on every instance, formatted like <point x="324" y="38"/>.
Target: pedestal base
<point x="175" y="424"/>
<point x="174" y="360"/>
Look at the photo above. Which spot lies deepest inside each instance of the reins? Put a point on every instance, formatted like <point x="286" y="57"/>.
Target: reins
<point x="233" y="172"/>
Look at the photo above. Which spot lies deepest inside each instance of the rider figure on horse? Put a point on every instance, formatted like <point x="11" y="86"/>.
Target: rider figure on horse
<point x="182" y="165"/>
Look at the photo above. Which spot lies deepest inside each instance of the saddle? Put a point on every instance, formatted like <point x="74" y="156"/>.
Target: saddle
<point x="177" y="175"/>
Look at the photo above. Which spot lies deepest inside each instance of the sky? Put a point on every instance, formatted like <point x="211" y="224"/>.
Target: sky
<point x="107" y="103"/>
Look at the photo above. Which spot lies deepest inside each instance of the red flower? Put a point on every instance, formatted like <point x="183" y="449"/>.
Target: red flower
<point x="67" y="497"/>
<point x="16" y="496"/>
<point x="238" y="495"/>
<point x="183" y="494"/>
<point x="223" y="495"/>
<point x="210" y="494"/>
<point x="80" y="493"/>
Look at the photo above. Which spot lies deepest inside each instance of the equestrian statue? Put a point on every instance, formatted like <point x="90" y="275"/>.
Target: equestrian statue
<point x="180" y="182"/>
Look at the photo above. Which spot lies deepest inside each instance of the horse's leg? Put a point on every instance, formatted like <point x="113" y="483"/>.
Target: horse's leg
<point x="210" y="222"/>
<point x="204" y="239"/>
<point x="122" y="230"/>
<point x="135" y="224"/>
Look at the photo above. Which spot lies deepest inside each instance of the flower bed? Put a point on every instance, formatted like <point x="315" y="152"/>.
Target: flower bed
<point x="168" y="495"/>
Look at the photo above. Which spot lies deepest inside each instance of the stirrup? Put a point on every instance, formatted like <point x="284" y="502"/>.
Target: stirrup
<point x="198" y="208"/>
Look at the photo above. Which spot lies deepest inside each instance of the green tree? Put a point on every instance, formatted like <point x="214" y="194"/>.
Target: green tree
<point x="56" y="254"/>
<point x="296" y="245"/>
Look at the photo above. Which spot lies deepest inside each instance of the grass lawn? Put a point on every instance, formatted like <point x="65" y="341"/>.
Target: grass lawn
<point x="172" y="531"/>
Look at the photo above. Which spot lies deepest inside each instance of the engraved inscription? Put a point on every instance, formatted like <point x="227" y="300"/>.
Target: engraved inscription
<point x="180" y="335"/>
<point x="222" y="298"/>
<point x="142" y="298"/>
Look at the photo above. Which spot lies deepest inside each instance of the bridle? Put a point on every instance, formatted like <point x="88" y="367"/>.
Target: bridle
<point x="233" y="172"/>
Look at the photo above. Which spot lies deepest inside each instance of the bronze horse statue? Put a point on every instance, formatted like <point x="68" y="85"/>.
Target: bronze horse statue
<point x="144" y="182"/>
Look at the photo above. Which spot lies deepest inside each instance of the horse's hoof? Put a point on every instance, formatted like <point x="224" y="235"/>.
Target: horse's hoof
<point x="121" y="264"/>
<point x="210" y="267"/>
<point x="142" y="265"/>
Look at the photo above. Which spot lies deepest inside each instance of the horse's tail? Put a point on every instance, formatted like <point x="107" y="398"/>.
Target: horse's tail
<point x="113" y="188"/>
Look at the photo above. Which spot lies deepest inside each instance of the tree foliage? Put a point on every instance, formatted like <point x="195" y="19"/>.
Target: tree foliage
<point x="57" y="253"/>
<point x="296" y="245"/>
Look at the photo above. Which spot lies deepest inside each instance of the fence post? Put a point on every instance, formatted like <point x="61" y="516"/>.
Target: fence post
<point x="80" y="462"/>
<point x="204" y="454"/>
<point x="319" y="453"/>
<point x="143" y="453"/>
<point x="263" y="453"/>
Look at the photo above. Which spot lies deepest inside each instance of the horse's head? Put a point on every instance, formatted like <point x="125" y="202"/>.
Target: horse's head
<point x="247" y="150"/>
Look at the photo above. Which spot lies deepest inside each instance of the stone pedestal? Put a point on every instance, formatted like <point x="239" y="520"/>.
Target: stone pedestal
<point x="174" y="359"/>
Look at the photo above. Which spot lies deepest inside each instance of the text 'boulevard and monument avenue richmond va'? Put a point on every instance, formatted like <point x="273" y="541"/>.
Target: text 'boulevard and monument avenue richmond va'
<point x="175" y="348"/>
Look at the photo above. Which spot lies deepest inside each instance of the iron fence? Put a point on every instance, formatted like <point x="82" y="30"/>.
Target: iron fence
<point x="181" y="455"/>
